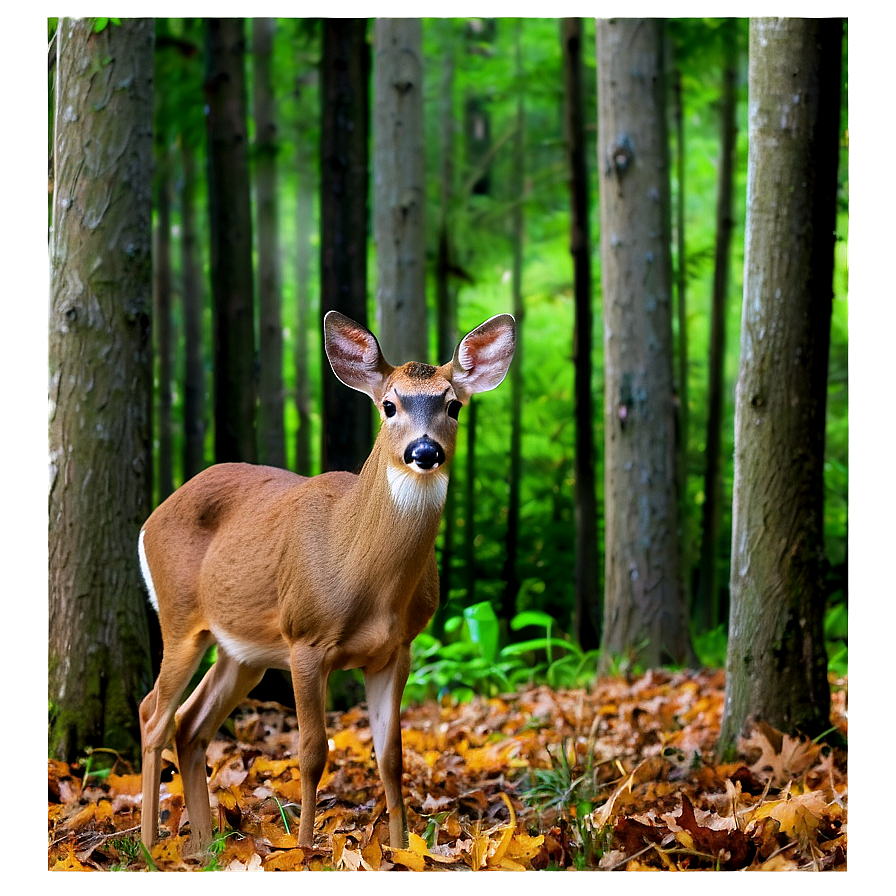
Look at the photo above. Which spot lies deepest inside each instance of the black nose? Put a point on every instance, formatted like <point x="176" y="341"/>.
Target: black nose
<point x="425" y="453"/>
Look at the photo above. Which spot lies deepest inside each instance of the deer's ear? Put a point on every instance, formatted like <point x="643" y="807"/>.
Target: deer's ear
<point x="354" y="354"/>
<point x="483" y="356"/>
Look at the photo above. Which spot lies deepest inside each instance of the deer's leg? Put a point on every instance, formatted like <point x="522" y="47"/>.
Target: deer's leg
<point x="309" y="681"/>
<point x="384" y="690"/>
<point x="179" y="661"/>
<point x="226" y="684"/>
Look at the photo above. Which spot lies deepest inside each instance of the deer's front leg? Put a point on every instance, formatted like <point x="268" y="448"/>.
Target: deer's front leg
<point x="309" y="681"/>
<point x="384" y="690"/>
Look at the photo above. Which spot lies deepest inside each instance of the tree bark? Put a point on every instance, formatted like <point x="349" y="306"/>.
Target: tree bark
<point x="518" y="236"/>
<point x="100" y="430"/>
<point x="586" y="621"/>
<point x="162" y="317"/>
<point x="304" y="228"/>
<point x="345" y="127"/>
<point x="645" y="613"/>
<point x="708" y="610"/>
<point x="776" y="666"/>
<point x="192" y="297"/>
<point x="399" y="190"/>
<point x="236" y="387"/>
<point x="271" y="434"/>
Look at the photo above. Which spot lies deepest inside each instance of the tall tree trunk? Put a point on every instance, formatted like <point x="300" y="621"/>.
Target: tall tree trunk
<point x="304" y="226"/>
<point x="446" y="292"/>
<point x="162" y="318"/>
<point x="682" y="318"/>
<point x="707" y="583"/>
<point x="776" y="666"/>
<point x="645" y="613"/>
<point x="345" y="127"/>
<point x="231" y="242"/>
<point x="586" y="621"/>
<point x="399" y="190"/>
<point x="271" y="434"/>
<point x="100" y="358"/>
<point x="192" y="294"/>
<point x="470" y="505"/>
<point x="518" y="234"/>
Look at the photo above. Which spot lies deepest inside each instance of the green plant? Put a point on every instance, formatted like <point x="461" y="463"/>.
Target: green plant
<point x="128" y="849"/>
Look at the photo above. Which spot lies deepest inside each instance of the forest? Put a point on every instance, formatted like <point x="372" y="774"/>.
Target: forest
<point x="653" y="502"/>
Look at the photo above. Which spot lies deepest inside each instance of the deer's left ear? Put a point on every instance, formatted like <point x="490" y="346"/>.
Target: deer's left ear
<point x="483" y="356"/>
<point x="354" y="354"/>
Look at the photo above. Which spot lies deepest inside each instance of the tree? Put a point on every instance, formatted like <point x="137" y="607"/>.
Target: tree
<point x="777" y="664"/>
<point x="645" y="612"/>
<point x="345" y="128"/>
<point x="399" y="189"/>
<point x="271" y="435"/>
<point x="101" y="384"/>
<point x="518" y="237"/>
<point x="230" y="214"/>
<point x="707" y="602"/>
<point x="587" y="601"/>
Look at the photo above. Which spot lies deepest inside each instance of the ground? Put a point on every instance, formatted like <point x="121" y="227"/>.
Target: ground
<point x="619" y="776"/>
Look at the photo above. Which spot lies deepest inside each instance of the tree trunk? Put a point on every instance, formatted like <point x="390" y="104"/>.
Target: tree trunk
<point x="776" y="666"/>
<point x="345" y="116"/>
<point x="586" y="621"/>
<point x="162" y="317"/>
<point x="271" y="435"/>
<point x="446" y="292"/>
<point x="645" y="614"/>
<point x="231" y="242"/>
<point x="304" y="227"/>
<point x="399" y="190"/>
<point x="708" y="614"/>
<point x="192" y="294"/>
<point x="470" y="505"/>
<point x="518" y="236"/>
<point x="100" y="436"/>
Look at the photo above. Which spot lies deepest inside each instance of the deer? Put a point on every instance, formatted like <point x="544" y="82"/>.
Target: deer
<point x="308" y="574"/>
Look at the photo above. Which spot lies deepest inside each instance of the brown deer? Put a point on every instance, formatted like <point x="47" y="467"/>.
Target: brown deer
<point x="336" y="571"/>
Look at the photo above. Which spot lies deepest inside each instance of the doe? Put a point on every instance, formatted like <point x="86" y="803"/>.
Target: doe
<point x="336" y="571"/>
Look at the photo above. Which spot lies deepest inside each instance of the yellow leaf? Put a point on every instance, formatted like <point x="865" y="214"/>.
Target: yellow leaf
<point x="506" y="835"/>
<point x="271" y="768"/>
<point x="407" y="858"/>
<point x="510" y="865"/>
<point x="290" y="860"/>
<point x="69" y="861"/>
<point x="126" y="784"/>
<point x="522" y="846"/>
<point x="417" y="844"/>
<point x="373" y="854"/>
<point x="798" y="816"/>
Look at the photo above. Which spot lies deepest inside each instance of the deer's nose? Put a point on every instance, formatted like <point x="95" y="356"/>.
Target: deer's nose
<point x="425" y="453"/>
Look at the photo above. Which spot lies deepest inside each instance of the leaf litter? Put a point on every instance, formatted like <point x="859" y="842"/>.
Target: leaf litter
<point x="621" y="776"/>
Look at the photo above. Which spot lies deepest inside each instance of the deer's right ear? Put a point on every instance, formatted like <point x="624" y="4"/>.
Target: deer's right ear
<point x="354" y="354"/>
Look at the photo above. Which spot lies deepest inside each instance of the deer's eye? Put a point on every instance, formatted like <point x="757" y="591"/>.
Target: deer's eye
<point x="454" y="409"/>
<point x="389" y="409"/>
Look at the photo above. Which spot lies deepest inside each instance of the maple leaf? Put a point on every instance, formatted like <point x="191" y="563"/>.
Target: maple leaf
<point x="781" y="757"/>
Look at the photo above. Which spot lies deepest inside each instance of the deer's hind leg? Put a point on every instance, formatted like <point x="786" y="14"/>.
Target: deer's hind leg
<point x="224" y="686"/>
<point x="157" y="713"/>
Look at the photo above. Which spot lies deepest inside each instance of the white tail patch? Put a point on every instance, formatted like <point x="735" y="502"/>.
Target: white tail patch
<point x="415" y="492"/>
<point x="147" y="576"/>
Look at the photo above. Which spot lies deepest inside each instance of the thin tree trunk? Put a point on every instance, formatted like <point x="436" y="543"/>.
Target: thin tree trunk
<point x="231" y="242"/>
<point x="777" y="664"/>
<point x="586" y="622"/>
<point x="470" y="505"/>
<point x="100" y="358"/>
<point x="304" y="226"/>
<point x="192" y="294"/>
<point x="645" y="613"/>
<point x="399" y="190"/>
<point x="707" y="588"/>
<point x="446" y="293"/>
<point x="518" y="229"/>
<point x="271" y="434"/>
<point x="162" y="318"/>
<point x="345" y="126"/>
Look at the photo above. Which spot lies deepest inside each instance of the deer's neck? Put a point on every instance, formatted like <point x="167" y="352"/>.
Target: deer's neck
<point x="395" y="508"/>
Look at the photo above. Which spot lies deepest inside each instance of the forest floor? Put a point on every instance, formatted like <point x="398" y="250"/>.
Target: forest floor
<point x="618" y="777"/>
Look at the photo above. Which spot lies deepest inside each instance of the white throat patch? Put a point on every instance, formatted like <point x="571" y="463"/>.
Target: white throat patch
<point x="415" y="492"/>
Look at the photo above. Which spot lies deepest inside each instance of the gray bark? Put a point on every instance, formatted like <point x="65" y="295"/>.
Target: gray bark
<point x="100" y="431"/>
